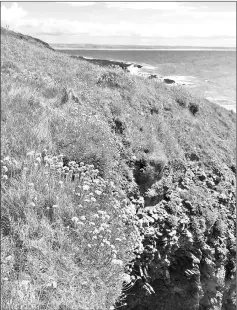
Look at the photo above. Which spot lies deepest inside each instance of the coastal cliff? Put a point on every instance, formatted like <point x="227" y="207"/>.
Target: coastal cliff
<point x="117" y="191"/>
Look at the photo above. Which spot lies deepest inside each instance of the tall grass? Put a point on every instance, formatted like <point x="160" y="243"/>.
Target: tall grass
<point x="68" y="232"/>
<point x="71" y="233"/>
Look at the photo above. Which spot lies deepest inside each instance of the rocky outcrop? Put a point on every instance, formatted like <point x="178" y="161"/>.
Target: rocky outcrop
<point x="108" y="63"/>
<point x="132" y="68"/>
<point x="169" y="81"/>
<point x="189" y="252"/>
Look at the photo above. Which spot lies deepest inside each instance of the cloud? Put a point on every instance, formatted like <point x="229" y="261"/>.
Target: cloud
<point x="15" y="17"/>
<point x="78" y="4"/>
<point x="15" y="12"/>
<point x="195" y="24"/>
<point x="165" y="29"/>
<point x="160" y="6"/>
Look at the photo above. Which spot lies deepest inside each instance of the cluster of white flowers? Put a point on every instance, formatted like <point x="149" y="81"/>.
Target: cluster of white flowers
<point x="102" y="217"/>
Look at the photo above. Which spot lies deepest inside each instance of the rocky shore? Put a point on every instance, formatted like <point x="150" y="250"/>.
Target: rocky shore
<point x="134" y="69"/>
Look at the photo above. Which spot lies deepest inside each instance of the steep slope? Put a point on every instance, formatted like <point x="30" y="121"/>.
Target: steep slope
<point x="169" y="154"/>
<point x="29" y="39"/>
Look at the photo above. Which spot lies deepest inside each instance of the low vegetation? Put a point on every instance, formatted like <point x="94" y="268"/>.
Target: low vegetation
<point x="81" y="145"/>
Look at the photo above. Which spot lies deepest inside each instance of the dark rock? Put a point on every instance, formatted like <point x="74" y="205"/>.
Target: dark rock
<point x="152" y="76"/>
<point x="202" y="176"/>
<point x="169" y="81"/>
<point x="216" y="179"/>
<point x="147" y="171"/>
<point x="107" y="63"/>
<point x="233" y="168"/>
<point x="188" y="204"/>
<point x="210" y="184"/>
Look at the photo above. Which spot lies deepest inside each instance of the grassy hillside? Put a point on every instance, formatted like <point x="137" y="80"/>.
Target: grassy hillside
<point x="81" y="146"/>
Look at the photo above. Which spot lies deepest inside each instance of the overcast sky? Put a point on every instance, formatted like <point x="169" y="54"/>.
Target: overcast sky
<point x="155" y="23"/>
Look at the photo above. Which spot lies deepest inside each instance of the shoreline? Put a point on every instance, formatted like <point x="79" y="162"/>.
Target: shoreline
<point x="132" y="68"/>
<point x="136" y="69"/>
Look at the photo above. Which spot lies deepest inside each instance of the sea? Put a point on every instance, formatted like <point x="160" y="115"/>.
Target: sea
<point x="209" y="72"/>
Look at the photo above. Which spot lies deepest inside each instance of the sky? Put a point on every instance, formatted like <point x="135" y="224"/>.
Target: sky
<point x="209" y="24"/>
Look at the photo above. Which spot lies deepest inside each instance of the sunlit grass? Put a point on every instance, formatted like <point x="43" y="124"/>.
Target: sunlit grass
<point x="69" y="227"/>
<point x="71" y="235"/>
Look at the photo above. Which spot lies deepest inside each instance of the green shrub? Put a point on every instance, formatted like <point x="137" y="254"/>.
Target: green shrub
<point x="78" y="232"/>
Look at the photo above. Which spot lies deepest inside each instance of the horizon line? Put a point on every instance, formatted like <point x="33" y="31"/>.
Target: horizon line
<point x="143" y="45"/>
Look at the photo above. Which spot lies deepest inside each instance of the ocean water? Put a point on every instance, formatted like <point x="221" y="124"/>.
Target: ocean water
<point x="211" y="73"/>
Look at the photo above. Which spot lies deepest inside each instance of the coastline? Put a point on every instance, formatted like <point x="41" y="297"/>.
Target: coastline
<point x="134" y="69"/>
<point x="92" y="153"/>
<point x="140" y="70"/>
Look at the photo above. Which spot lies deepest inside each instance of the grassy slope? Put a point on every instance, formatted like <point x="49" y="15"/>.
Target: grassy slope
<point x="115" y="118"/>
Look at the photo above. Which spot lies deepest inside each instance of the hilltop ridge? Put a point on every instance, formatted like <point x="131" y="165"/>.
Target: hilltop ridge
<point x="27" y="38"/>
<point x="116" y="189"/>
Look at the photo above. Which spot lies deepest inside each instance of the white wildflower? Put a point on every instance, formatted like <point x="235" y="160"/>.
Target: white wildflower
<point x="101" y="212"/>
<point x="75" y="219"/>
<point x="5" y="169"/>
<point x="98" y="192"/>
<point x="86" y="187"/>
<point x="117" y="262"/>
<point x="95" y="216"/>
<point x="38" y="159"/>
<point x="32" y="153"/>
<point x="126" y="278"/>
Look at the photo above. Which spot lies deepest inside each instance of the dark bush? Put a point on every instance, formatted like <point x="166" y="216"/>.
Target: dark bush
<point x="193" y="108"/>
<point x="119" y="126"/>
<point x="154" y="110"/>
<point x="182" y="102"/>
